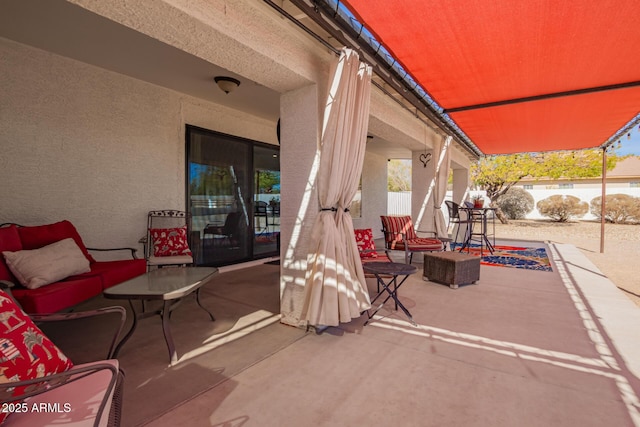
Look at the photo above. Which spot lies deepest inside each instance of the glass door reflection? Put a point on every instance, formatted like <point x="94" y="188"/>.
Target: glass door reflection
<point x="266" y="201"/>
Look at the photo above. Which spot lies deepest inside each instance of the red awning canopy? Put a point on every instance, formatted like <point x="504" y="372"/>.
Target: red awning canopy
<point x="469" y="53"/>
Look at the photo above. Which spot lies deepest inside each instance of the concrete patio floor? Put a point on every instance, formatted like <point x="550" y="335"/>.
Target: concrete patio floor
<point x="520" y="347"/>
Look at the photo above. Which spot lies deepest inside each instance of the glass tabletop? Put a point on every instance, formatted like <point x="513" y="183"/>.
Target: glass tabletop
<point x="162" y="283"/>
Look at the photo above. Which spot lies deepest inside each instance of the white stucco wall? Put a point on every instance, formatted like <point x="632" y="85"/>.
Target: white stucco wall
<point x="95" y="147"/>
<point x="584" y="194"/>
<point x="402" y="201"/>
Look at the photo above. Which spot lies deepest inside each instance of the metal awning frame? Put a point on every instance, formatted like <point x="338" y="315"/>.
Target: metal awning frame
<point x="620" y="133"/>
<point x="347" y="30"/>
<point x="541" y="97"/>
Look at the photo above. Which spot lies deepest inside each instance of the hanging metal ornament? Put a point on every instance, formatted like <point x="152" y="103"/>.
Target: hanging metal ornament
<point x="425" y="158"/>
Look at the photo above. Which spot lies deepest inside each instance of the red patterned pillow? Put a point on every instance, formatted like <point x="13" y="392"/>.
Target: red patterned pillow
<point x="25" y="352"/>
<point x="366" y="245"/>
<point x="170" y="241"/>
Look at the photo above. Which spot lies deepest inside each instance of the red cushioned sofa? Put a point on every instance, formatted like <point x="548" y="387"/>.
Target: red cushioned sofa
<point x="71" y="290"/>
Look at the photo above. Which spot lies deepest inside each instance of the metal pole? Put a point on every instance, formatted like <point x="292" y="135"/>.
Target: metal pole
<point x="604" y="194"/>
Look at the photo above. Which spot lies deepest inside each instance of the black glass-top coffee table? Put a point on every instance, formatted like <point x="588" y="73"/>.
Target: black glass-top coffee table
<point x="167" y="284"/>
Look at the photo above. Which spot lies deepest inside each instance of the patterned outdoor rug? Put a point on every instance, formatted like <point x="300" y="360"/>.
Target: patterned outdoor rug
<point x="512" y="256"/>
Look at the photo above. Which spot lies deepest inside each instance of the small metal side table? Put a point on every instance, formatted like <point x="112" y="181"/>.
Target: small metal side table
<point x="392" y="270"/>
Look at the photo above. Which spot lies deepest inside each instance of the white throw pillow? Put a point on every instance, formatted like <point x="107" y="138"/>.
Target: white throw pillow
<point x="38" y="267"/>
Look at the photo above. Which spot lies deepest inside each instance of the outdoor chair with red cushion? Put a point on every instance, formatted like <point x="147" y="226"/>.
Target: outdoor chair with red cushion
<point x="40" y="386"/>
<point x="399" y="235"/>
<point x="367" y="247"/>
<point x="166" y="241"/>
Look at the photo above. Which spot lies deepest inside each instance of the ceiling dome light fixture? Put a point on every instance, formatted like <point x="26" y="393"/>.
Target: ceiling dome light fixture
<point x="226" y="84"/>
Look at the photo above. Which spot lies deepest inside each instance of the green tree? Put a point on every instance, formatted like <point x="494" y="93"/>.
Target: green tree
<point x="496" y="174"/>
<point x="266" y="180"/>
<point x="212" y="181"/>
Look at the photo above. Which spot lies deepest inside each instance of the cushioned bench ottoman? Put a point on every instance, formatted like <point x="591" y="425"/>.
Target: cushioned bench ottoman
<point x="451" y="268"/>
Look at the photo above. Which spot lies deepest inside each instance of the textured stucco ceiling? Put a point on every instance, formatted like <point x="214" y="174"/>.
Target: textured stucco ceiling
<point x="71" y="31"/>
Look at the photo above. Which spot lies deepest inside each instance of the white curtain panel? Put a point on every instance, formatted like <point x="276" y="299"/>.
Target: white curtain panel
<point x="335" y="288"/>
<point x="440" y="190"/>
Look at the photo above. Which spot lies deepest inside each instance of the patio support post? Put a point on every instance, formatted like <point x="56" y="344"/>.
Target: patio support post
<point x="460" y="184"/>
<point x="299" y="133"/>
<point x="422" y="185"/>
<point x="604" y="194"/>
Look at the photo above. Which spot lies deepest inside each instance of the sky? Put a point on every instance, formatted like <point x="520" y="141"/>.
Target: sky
<point x="630" y="145"/>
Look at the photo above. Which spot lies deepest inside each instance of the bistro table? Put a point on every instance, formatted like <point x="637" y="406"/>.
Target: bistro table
<point x="390" y="270"/>
<point x="478" y="216"/>
<point x="170" y="285"/>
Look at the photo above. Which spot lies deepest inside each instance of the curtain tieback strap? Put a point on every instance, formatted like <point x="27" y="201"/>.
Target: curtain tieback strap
<point x="333" y="209"/>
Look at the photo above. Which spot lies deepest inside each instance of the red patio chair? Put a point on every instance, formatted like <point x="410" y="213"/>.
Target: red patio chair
<point x="367" y="250"/>
<point x="399" y="235"/>
<point x="367" y="247"/>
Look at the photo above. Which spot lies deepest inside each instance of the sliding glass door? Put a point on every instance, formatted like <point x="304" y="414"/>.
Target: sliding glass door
<point x="232" y="187"/>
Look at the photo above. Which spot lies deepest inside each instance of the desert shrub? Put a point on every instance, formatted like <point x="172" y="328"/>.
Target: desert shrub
<point x="618" y="209"/>
<point x="561" y="208"/>
<point x="516" y="203"/>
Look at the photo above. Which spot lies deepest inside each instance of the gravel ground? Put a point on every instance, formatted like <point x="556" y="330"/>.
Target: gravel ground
<point x="621" y="247"/>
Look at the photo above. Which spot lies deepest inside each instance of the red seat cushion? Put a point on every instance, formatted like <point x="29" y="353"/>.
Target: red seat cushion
<point x="115" y="272"/>
<point x="58" y="296"/>
<point x="381" y="258"/>
<point x="9" y="241"/>
<point x="420" y="244"/>
<point x="366" y="245"/>
<point x="25" y="352"/>
<point x="35" y="237"/>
